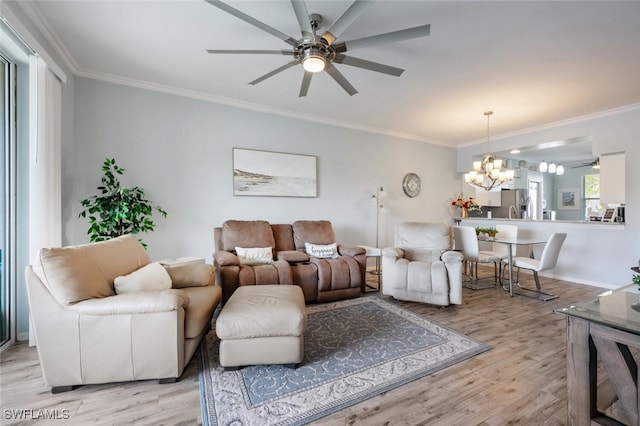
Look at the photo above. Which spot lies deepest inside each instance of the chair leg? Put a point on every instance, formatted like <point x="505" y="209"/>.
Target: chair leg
<point x="472" y="282"/>
<point x="538" y="293"/>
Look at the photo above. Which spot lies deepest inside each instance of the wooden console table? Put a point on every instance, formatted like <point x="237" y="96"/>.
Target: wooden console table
<point x="608" y="326"/>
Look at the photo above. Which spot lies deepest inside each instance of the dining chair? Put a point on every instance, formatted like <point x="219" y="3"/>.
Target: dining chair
<point x="500" y="250"/>
<point x="466" y="240"/>
<point x="548" y="260"/>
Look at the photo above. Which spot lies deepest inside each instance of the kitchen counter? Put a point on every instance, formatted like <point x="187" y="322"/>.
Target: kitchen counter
<point x="587" y="255"/>
<point x="588" y="223"/>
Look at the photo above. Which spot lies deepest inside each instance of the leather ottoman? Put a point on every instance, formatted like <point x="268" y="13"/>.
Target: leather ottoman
<point x="262" y="324"/>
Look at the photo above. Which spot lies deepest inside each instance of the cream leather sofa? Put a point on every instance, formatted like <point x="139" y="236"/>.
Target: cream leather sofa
<point x="87" y="333"/>
<point x="421" y="266"/>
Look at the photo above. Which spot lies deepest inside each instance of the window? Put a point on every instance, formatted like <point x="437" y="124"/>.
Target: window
<point x="6" y="204"/>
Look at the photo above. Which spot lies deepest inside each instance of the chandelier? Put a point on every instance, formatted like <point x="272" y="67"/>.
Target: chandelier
<point x="490" y="172"/>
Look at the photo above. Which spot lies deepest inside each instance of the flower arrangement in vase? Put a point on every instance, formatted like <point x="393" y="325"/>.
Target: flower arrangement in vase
<point x="466" y="205"/>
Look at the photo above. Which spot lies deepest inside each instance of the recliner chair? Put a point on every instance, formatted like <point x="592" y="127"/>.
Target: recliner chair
<point x="421" y="267"/>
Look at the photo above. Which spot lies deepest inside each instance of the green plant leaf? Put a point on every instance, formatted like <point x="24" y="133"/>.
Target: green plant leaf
<point x="118" y="210"/>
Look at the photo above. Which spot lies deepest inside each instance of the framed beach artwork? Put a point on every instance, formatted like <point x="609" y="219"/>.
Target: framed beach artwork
<point x="273" y="174"/>
<point x="568" y="199"/>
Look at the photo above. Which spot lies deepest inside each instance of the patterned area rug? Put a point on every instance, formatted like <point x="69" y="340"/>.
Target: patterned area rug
<point x="354" y="349"/>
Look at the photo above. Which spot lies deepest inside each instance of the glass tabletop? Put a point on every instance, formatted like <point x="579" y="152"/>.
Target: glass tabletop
<point x="618" y="308"/>
<point x="517" y="241"/>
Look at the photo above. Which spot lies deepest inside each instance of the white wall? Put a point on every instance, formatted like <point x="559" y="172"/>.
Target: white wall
<point x="180" y="151"/>
<point x="601" y="257"/>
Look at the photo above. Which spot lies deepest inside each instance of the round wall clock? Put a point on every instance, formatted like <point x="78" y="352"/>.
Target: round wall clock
<point x="411" y="184"/>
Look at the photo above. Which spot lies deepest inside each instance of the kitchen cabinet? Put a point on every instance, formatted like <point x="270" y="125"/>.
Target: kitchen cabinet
<point x="612" y="172"/>
<point x="491" y="198"/>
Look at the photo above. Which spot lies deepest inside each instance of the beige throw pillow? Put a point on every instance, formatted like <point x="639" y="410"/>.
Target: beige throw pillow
<point x="254" y="255"/>
<point x="191" y="275"/>
<point x="322" y="251"/>
<point x="152" y="277"/>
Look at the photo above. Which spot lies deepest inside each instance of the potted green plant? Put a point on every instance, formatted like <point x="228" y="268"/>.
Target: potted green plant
<point x="118" y="210"/>
<point x="491" y="232"/>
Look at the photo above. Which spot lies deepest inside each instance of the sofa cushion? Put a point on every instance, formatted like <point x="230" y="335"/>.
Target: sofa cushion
<point x="86" y="271"/>
<point x="419" y="235"/>
<point x="293" y="256"/>
<point x="255" y="255"/>
<point x="322" y="251"/>
<point x="151" y="277"/>
<point x="246" y="233"/>
<point x="312" y="231"/>
<point x="422" y="255"/>
<point x="263" y="311"/>
<point x="283" y="235"/>
<point x="191" y="275"/>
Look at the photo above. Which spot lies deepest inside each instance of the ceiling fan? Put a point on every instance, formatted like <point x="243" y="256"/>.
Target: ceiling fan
<point x="320" y="52"/>
<point x="595" y="164"/>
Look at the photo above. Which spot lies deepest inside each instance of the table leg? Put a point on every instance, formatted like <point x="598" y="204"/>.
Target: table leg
<point x="510" y="246"/>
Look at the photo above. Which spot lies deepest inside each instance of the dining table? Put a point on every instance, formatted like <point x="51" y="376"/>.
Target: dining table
<point x="511" y="243"/>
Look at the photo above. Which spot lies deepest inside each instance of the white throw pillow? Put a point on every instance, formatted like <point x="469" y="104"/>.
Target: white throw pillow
<point x="254" y="255"/>
<point x="152" y="277"/>
<point x="327" y="251"/>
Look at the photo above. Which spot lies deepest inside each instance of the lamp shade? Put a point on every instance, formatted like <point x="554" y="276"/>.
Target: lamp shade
<point x="313" y="63"/>
<point x="543" y="167"/>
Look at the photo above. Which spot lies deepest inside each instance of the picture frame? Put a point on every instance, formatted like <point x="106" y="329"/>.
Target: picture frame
<point x="568" y="199"/>
<point x="274" y="174"/>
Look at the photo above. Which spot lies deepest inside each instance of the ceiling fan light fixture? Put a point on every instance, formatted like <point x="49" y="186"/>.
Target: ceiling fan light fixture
<point x="314" y="57"/>
<point x="313" y="63"/>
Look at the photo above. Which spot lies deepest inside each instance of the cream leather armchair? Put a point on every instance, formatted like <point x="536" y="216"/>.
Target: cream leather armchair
<point x="88" y="334"/>
<point x="421" y="266"/>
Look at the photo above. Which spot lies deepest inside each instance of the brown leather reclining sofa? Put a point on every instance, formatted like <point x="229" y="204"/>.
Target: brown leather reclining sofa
<point x="321" y="279"/>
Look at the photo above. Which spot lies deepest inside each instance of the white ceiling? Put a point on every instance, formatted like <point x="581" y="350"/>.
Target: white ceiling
<point x="533" y="63"/>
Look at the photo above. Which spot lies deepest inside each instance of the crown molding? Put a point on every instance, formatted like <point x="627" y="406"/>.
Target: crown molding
<point x="554" y="124"/>
<point x="39" y="19"/>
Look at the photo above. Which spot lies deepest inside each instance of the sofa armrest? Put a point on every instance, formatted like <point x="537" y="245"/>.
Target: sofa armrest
<point x="292" y="256"/>
<point x="225" y="258"/>
<point x="392" y="253"/>
<point x="133" y="303"/>
<point x="349" y="250"/>
<point x="451" y="256"/>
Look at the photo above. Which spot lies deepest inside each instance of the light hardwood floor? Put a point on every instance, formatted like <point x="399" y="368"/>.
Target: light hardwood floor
<point x="522" y="380"/>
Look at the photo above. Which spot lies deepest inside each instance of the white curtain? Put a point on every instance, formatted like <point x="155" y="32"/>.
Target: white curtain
<point x="45" y="192"/>
<point x="45" y="216"/>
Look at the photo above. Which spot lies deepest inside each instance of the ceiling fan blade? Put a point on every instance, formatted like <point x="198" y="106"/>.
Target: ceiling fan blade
<point x="306" y="80"/>
<point x="392" y="37"/>
<point x="274" y="72"/>
<point x="340" y="79"/>
<point x="347" y="18"/>
<point x="235" y="12"/>
<point x="300" y="8"/>
<point x="368" y="65"/>
<point x="253" y="52"/>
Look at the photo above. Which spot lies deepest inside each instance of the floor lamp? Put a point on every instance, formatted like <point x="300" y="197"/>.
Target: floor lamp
<point x="377" y="199"/>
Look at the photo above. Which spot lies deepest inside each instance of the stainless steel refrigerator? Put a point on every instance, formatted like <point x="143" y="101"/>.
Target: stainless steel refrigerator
<point x="518" y="198"/>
